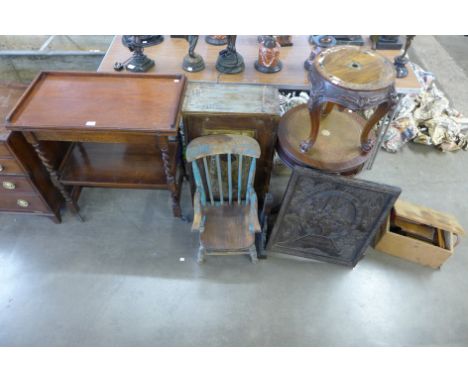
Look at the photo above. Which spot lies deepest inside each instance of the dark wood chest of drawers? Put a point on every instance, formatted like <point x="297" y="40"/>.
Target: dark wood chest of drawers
<point x="24" y="184"/>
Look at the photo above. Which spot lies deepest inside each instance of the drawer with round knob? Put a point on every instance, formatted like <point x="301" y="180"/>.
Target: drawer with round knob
<point x="10" y="166"/>
<point x="22" y="202"/>
<point x="11" y="184"/>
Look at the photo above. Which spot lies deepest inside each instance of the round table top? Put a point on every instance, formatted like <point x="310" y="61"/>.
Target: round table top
<point x="355" y="68"/>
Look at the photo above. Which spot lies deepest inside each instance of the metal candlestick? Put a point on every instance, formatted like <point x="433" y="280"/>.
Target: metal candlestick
<point x="401" y="60"/>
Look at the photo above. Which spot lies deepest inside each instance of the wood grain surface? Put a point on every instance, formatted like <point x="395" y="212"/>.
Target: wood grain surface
<point x="245" y="99"/>
<point x="93" y="102"/>
<point x="116" y="165"/>
<point x="227" y="228"/>
<point x="169" y="55"/>
<point x="356" y="69"/>
<point x="337" y="148"/>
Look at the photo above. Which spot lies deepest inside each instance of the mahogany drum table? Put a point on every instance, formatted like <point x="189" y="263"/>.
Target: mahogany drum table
<point x="328" y="133"/>
<point x="121" y="130"/>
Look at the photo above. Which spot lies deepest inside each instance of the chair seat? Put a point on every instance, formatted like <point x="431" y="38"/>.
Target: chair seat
<point x="227" y="228"/>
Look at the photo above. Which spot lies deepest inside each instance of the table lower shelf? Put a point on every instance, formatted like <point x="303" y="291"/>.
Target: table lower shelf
<point x="337" y="148"/>
<point x="116" y="165"/>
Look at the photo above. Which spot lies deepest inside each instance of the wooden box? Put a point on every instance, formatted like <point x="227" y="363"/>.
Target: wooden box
<point x="419" y="221"/>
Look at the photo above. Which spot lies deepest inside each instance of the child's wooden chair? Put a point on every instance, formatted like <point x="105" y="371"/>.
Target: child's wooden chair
<point x="228" y="221"/>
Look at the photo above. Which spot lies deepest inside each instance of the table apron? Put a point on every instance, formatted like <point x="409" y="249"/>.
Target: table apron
<point x="99" y="137"/>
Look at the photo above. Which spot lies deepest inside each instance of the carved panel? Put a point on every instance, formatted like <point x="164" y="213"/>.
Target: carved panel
<point x="330" y="217"/>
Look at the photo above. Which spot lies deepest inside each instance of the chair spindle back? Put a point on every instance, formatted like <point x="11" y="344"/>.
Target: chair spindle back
<point x="210" y="152"/>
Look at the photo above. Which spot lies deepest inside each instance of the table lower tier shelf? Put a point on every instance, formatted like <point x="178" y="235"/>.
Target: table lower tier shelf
<point x="116" y="165"/>
<point x="337" y="148"/>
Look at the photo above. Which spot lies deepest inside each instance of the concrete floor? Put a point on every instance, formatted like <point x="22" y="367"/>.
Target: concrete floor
<point x="118" y="279"/>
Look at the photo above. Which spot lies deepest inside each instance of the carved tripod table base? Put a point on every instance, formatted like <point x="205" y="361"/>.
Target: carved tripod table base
<point x="337" y="148"/>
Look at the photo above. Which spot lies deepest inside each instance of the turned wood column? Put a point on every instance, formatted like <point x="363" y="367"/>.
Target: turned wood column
<point x="54" y="177"/>
<point x="163" y="143"/>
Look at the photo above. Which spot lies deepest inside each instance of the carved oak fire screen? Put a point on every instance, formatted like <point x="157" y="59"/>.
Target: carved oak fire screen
<point x="330" y="217"/>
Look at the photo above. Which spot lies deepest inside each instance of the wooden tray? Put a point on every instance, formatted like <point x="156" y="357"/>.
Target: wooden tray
<point x="100" y="102"/>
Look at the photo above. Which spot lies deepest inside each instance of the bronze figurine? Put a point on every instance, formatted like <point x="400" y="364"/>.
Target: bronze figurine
<point x="401" y="60"/>
<point x="193" y="62"/>
<point x="229" y="60"/>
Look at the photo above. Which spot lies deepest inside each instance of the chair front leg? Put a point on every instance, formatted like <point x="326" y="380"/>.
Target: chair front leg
<point x="254" y="224"/>
<point x="198" y="217"/>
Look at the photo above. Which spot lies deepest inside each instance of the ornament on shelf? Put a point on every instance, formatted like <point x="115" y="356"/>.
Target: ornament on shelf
<point x="193" y="62"/>
<point x="139" y="62"/>
<point x="401" y="60"/>
<point x="268" y="56"/>
<point x="229" y="60"/>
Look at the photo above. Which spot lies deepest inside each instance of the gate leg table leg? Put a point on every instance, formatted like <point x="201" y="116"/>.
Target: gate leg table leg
<point x="163" y="142"/>
<point x="36" y="144"/>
